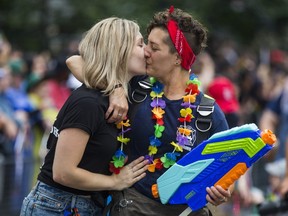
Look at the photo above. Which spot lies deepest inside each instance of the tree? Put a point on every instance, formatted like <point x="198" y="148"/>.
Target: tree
<point x="37" y="24"/>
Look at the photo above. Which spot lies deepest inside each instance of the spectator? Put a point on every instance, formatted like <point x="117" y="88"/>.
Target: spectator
<point x="223" y="91"/>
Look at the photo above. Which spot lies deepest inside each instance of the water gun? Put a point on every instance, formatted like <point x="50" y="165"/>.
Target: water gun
<point x="220" y="160"/>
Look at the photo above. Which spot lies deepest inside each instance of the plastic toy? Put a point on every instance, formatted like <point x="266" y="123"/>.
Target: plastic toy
<point x="220" y="160"/>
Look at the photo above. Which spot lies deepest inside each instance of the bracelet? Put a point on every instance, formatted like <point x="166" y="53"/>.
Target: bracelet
<point x="118" y="86"/>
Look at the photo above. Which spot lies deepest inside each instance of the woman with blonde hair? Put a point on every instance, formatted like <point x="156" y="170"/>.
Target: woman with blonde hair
<point x="167" y="122"/>
<point x="75" y="174"/>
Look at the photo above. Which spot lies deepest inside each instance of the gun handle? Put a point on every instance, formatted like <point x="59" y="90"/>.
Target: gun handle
<point x="230" y="177"/>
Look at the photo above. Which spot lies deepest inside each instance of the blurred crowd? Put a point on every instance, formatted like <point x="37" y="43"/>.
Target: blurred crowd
<point x="33" y="87"/>
<point x="250" y="87"/>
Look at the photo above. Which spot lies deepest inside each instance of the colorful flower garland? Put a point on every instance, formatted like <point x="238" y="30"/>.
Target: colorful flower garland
<point x="183" y="137"/>
<point x="158" y="105"/>
<point x="118" y="160"/>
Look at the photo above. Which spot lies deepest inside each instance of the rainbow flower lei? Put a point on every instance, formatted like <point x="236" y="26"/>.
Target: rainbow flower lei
<point x="118" y="160"/>
<point x="183" y="133"/>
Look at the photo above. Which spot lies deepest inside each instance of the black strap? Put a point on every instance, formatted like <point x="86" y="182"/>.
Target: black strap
<point x="203" y="121"/>
<point x="140" y="93"/>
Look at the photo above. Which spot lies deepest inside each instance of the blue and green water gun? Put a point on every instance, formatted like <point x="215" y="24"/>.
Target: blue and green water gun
<point x="220" y="160"/>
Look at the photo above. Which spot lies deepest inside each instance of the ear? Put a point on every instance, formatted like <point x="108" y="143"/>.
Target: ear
<point x="178" y="59"/>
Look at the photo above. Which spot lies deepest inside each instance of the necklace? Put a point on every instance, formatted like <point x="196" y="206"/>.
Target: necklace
<point x="183" y="132"/>
<point x="118" y="160"/>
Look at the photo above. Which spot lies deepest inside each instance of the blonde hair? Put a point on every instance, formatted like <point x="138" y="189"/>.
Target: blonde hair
<point x="106" y="49"/>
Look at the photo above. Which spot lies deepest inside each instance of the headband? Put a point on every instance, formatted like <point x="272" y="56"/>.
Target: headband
<point x="180" y="43"/>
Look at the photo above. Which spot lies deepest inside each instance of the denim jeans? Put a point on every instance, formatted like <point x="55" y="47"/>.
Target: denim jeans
<point x="44" y="200"/>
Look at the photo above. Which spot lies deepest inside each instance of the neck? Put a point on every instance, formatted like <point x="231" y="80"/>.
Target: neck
<point x="175" y="85"/>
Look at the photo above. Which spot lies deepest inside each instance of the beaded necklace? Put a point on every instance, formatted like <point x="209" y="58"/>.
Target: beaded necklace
<point x="183" y="133"/>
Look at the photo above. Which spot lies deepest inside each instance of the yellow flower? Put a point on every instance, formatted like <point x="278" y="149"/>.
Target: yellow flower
<point x="153" y="94"/>
<point x="152" y="150"/>
<point x="177" y="146"/>
<point x="123" y="139"/>
<point x="185" y="112"/>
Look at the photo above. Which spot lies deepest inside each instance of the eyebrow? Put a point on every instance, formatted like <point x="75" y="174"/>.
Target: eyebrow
<point x="153" y="43"/>
<point x="140" y="40"/>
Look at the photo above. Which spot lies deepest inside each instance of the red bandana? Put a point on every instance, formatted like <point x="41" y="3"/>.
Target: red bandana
<point x="180" y="43"/>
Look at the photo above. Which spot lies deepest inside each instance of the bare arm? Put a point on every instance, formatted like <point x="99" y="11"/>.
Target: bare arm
<point x="269" y="120"/>
<point x="75" y="64"/>
<point x="118" y="104"/>
<point x="8" y="126"/>
<point x="69" y="151"/>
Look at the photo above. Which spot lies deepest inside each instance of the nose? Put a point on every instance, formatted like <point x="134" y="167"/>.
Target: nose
<point x="146" y="52"/>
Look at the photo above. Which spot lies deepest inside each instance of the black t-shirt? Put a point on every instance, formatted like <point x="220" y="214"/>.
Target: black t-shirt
<point x="84" y="109"/>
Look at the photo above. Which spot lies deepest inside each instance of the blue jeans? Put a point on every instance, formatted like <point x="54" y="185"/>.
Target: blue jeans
<point x="44" y="200"/>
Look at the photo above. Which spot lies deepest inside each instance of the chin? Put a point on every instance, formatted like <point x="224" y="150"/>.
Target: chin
<point x="149" y="72"/>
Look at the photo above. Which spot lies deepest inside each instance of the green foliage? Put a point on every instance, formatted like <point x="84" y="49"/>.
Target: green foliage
<point x="35" y="24"/>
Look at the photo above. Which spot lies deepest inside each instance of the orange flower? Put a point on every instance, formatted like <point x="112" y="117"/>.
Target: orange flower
<point x="184" y="131"/>
<point x="190" y="98"/>
<point x="158" y="112"/>
<point x="123" y="123"/>
<point x="151" y="167"/>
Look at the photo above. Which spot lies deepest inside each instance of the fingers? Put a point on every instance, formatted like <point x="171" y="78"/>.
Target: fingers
<point x="225" y="193"/>
<point x="217" y="195"/>
<point x="109" y="111"/>
<point x="131" y="173"/>
<point x="139" y="177"/>
<point x="138" y="163"/>
<point x="115" y="113"/>
<point x="118" y="106"/>
<point x="138" y="168"/>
